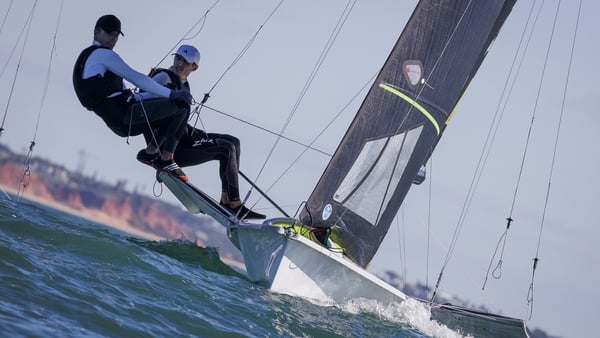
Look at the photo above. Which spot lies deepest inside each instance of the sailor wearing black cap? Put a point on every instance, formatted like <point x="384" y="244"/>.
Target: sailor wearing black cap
<point x="98" y="81"/>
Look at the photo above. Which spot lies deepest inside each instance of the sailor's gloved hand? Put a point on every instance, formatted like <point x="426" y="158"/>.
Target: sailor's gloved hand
<point x="181" y="95"/>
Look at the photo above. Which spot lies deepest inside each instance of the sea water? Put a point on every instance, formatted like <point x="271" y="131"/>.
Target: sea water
<point x="64" y="276"/>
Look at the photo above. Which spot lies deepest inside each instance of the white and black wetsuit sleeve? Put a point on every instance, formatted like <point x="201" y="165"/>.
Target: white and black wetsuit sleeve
<point x="161" y="78"/>
<point x="103" y="59"/>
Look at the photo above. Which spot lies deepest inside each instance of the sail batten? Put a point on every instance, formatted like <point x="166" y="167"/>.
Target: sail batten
<point x="401" y="120"/>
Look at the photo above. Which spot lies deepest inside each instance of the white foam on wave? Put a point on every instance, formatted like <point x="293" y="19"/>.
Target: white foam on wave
<point x="412" y="312"/>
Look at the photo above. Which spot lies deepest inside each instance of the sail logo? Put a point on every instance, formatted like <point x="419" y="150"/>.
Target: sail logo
<point x="326" y="212"/>
<point x="413" y="71"/>
<point x="202" y="141"/>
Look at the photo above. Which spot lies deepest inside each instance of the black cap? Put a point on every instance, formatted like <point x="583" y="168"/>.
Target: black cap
<point x="109" y="23"/>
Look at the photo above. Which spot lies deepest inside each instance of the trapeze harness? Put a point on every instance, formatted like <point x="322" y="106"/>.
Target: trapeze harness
<point x="93" y="93"/>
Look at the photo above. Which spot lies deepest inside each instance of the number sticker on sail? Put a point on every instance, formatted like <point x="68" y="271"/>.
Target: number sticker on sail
<point x="413" y="70"/>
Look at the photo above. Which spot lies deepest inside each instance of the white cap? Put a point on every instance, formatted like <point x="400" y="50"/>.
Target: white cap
<point x="189" y="53"/>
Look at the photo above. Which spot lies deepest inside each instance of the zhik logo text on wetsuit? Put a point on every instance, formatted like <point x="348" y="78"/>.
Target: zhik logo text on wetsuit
<point x="203" y="141"/>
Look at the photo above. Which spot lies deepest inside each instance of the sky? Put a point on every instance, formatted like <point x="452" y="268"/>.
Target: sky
<point x="264" y="86"/>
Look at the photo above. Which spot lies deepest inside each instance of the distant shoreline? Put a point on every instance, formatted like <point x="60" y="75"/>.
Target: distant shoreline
<point x="89" y="214"/>
<point x="105" y="220"/>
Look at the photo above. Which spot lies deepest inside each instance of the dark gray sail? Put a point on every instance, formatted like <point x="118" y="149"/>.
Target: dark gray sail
<point x="401" y="120"/>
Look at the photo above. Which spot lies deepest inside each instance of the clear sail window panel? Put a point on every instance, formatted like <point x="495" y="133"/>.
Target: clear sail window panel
<point x="365" y="195"/>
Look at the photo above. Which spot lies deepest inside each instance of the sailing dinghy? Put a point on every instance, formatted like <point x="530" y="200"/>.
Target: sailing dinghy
<point x="323" y="254"/>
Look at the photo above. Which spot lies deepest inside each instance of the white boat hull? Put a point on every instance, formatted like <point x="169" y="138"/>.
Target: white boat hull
<point x="289" y="263"/>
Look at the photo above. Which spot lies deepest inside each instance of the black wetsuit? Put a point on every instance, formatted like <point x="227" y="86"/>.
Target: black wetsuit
<point x="196" y="146"/>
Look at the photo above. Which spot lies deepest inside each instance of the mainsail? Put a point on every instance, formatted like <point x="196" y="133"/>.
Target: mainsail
<point x="401" y="120"/>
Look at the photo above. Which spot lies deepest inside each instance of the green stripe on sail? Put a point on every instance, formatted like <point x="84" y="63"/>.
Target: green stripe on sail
<point x="413" y="103"/>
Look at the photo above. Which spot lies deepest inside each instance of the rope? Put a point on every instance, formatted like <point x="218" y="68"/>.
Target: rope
<point x="26" y="175"/>
<point x="562" y="109"/>
<point x="26" y="29"/>
<point x="497" y="272"/>
<point x="47" y="81"/>
<point x="196" y="111"/>
<point x="402" y="247"/>
<point x="319" y="63"/>
<point x="202" y="20"/>
<point x="243" y="51"/>
<point x="308" y="146"/>
<point x="17" y="42"/>
<point x="186" y="36"/>
<point x="6" y="15"/>
<point x="530" y="294"/>
<point x="157" y="188"/>
<point x="26" y="170"/>
<point x="429" y="224"/>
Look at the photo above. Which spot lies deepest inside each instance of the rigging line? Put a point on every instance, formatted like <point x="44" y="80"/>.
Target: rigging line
<point x="501" y="107"/>
<point x="26" y="171"/>
<point x="196" y="112"/>
<point x="332" y="37"/>
<point x="6" y="16"/>
<point x="457" y="229"/>
<point x="403" y="251"/>
<point x="291" y="165"/>
<point x="512" y="86"/>
<point x="479" y="168"/>
<point x="264" y="194"/>
<point x="400" y="243"/>
<point x="6" y="194"/>
<point x="244" y="49"/>
<point x="429" y="224"/>
<point x="26" y="29"/>
<point x="47" y="81"/>
<point x="16" y="44"/>
<point x="530" y="127"/>
<point x="534" y="112"/>
<point x="26" y="175"/>
<point x="321" y="60"/>
<point x="308" y="146"/>
<point x="202" y="20"/>
<point x="140" y="100"/>
<point x="233" y="63"/>
<point x="558" y="129"/>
